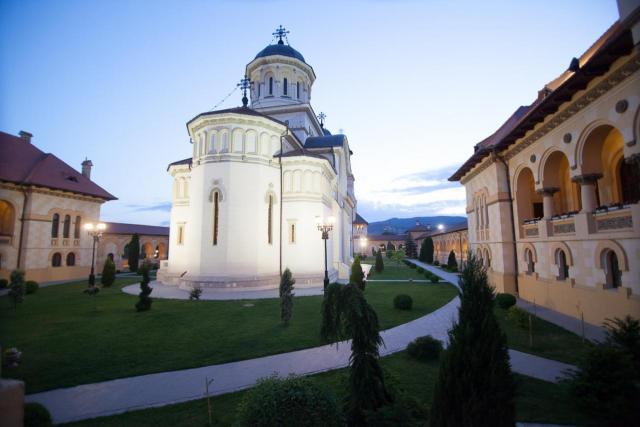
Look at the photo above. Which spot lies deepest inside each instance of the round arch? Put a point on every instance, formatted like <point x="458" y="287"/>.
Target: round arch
<point x="553" y="247"/>
<point x="534" y="253"/>
<point x="554" y="173"/>
<point x="611" y="245"/>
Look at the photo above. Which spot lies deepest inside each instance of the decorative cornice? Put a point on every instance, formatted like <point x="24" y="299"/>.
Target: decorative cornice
<point x="50" y="192"/>
<point x="587" y="178"/>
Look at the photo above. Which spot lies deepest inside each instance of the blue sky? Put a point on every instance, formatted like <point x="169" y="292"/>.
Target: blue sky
<point x="413" y="84"/>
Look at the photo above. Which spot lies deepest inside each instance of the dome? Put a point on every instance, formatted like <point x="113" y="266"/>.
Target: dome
<point x="280" y="49"/>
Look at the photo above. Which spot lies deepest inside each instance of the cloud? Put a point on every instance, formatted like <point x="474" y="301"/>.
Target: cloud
<point x="162" y="206"/>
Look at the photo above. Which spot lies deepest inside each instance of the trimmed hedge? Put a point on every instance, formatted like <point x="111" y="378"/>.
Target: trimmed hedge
<point x="30" y="287"/>
<point x="505" y="301"/>
<point x="403" y="302"/>
<point x="425" y="348"/>
<point x="36" y="415"/>
<point x="420" y="270"/>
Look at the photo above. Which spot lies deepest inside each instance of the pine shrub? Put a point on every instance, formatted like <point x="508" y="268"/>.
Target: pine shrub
<point x="144" y="300"/>
<point x="133" y="255"/>
<point x="420" y="269"/>
<point x="403" y="302"/>
<point x="36" y="415"/>
<point x="286" y="296"/>
<point x="434" y="278"/>
<point x="379" y="262"/>
<point x="426" y="250"/>
<point x="451" y="261"/>
<point x="436" y="262"/>
<point x="4" y="283"/>
<point x="195" y="293"/>
<point x="425" y="348"/>
<point x="31" y="287"/>
<point x="16" y="287"/>
<point x="357" y="274"/>
<point x="108" y="273"/>
<point x="625" y="334"/>
<point x="505" y="301"/>
<point x="475" y="385"/>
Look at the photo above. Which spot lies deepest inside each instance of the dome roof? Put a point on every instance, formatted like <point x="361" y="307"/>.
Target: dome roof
<point x="280" y="49"/>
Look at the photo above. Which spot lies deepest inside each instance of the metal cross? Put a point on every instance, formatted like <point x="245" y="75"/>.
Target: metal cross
<point x="244" y="85"/>
<point x="322" y="116"/>
<point x="280" y="33"/>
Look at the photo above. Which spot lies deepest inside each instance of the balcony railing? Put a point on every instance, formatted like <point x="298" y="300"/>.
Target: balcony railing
<point x="613" y="218"/>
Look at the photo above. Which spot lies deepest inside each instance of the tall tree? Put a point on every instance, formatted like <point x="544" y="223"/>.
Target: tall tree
<point x="410" y="247"/>
<point x="390" y="248"/>
<point x="134" y="252"/>
<point x="357" y="274"/>
<point x="346" y="314"/>
<point x="379" y="262"/>
<point x="144" y="300"/>
<point x="451" y="261"/>
<point x="428" y="250"/>
<point x="108" y="273"/>
<point x="475" y="385"/>
<point x="286" y="296"/>
<point x="398" y="256"/>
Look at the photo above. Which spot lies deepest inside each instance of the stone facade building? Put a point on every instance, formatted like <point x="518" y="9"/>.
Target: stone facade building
<point x="553" y="195"/>
<point x="154" y="243"/>
<point x="44" y="203"/>
<point x="452" y="238"/>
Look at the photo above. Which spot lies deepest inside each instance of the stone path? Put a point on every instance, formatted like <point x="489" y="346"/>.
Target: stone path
<point x="126" y="394"/>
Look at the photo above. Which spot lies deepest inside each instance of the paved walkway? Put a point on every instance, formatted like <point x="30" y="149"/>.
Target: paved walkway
<point x="116" y="396"/>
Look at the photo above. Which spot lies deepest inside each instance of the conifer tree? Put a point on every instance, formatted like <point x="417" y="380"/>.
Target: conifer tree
<point x="144" y="300"/>
<point x="16" y="287"/>
<point x="410" y="248"/>
<point x="357" y="274"/>
<point x="475" y="386"/>
<point x="108" y="273"/>
<point x="428" y="250"/>
<point x="286" y="296"/>
<point x="134" y="252"/>
<point x="379" y="262"/>
<point x="452" y="262"/>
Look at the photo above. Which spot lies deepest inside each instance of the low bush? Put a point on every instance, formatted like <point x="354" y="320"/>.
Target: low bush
<point x="505" y="301"/>
<point x="403" y="302"/>
<point x="425" y="348"/>
<point x="31" y="287"/>
<point x="36" y="415"/>
<point x="420" y="270"/>
<point x="412" y="265"/>
<point x="4" y="283"/>
<point x="434" y="278"/>
<point x="291" y="401"/>
<point x="436" y="262"/>
<point x="195" y="292"/>
<point x="518" y="316"/>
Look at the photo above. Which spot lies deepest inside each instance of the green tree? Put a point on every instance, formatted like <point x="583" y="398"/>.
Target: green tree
<point x="144" y="300"/>
<point x="452" y="262"/>
<point x="379" y="262"/>
<point x="286" y="296"/>
<point x="625" y="334"/>
<point x="357" y="274"/>
<point x="390" y="248"/>
<point x="108" y="273"/>
<point x="398" y="256"/>
<point x="16" y="287"/>
<point x="134" y="252"/>
<point x="346" y="314"/>
<point x="475" y="385"/>
<point x="373" y="251"/>
<point x="410" y="247"/>
<point x="427" y="244"/>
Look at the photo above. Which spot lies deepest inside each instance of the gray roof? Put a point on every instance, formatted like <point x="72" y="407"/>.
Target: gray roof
<point x="360" y="220"/>
<point x="280" y="49"/>
<point x="146" y="230"/>
<point x="324" y="141"/>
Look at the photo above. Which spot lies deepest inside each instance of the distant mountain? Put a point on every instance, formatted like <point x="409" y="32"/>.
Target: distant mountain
<point x="400" y="225"/>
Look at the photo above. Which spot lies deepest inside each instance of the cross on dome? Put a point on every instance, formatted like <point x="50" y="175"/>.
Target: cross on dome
<point x="280" y="33"/>
<point x="244" y="84"/>
<point x="321" y="117"/>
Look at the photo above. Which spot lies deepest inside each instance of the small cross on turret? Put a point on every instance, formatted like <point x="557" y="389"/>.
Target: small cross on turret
<point x="321" y="117"/>
<point x="280" y="33"/>
<point x="244" y="85"/>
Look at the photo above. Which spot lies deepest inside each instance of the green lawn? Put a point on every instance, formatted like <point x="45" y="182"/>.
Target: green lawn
<point x="68" y="338"/>
<point x="537" y="401"/>
<point x="393" y="271"/>
<point x="549" y="340"/>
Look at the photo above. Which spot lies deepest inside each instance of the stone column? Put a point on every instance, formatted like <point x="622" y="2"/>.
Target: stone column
<point x="588" y="190"/>
<point x="547" y="200"/>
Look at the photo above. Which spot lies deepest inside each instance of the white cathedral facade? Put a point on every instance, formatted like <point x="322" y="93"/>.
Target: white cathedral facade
<point x="241" y="211"/>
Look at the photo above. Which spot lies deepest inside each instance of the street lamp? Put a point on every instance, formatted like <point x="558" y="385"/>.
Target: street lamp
<point x="95" y="231"/>
<point x="363" y="245"/>
<point x="440" y="227"/>
<point x="325" y="226"/>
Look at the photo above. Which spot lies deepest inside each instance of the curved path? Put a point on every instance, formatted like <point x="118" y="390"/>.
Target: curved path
<point x="116" y="396"/>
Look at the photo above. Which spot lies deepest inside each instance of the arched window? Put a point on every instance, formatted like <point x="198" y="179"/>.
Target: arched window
<point x="76" y="227"/>
<point x="66" y="227"/>
<point x="216" y="213"/>
<point x="270" y="221"/>
<point x="298" y="90"/>
<point x="56" y="260"/>
<point x="270" y="85"/>
<point x="71" y="259"/>
<point x="125" y="251"/>
<point x="528" y="257"/>
<point x="55" y="225"/>
<point x="487" y="259"/>
<point x="561" y="262"/>
<point x="110" y="256"/>
<point x="486" y="212"/>
<point x="285" y="90"/>
<point x="612" y="273"/>
<point x="7" y="219"/>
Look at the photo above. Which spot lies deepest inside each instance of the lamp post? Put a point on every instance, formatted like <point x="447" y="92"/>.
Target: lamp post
<point x="325" y="226"/>
<point x="363" y="245"/>
<point x="95" y="231"/>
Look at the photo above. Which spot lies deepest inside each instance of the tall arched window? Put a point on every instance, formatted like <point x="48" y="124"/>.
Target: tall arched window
<point x="298" y="90"/>
<point x="56" y="260"/>
<point x="66" y="227"/>
<point x="487" y="259"/>
<point x="216" y="197"/>
<point x="55" y="225"/>
<point x="285" y="90"/>
<point x="270" y="221"/>
<point x="270" y="85"/>
<point x="71" y="259"/>
<point x="563" y="267"/>
<point x="76" y="227"/>
<point x="7" y="218"/>
<point x="486" y="212"/>
<point x="612" y="273"/>
<point x="528" y="257"/>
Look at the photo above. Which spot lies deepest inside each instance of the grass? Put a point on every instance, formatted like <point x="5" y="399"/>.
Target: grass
<point x="537" y="401"/>
<point x="394" y="271"/>
<point x="68" y="338"/>
<point x="549" y="340"/>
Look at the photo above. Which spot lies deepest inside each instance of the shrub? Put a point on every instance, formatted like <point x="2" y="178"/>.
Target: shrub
<point x="4" y="283"/>
<point x="357" y="274"/>
<point x="36" y="415"/>
<point x="144" y="300"/>
<point x="403" y="302"/>
<point x="11" y="357"/>
<point x="16" y="287"/>
<point x="31" y="287"/>
<point x="379" y="262"/>
<point x="505" y="301"/>
<point x="133" y="255"/>
<point x="194" y="293"/>
<point x="518" y="316"/>
<point x="625" y="334"/>
<point x="108" y="273"/>
<point x="291" y="401"/>
<point x="436" y="262"/>
<point x="412" y="265"/>
<point x="426" y="250"/>
<point x="286" y="295"/>
<point x="451" y="261"/>
<point x="434" y="278"/>
<point x="425" y="348"/>
<point x="420" y="270"/>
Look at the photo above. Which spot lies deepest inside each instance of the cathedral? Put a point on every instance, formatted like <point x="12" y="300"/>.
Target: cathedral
<point x="262" y="180"/>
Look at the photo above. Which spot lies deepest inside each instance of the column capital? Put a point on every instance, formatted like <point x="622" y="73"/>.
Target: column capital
<point x="548" y="191"/>
<point x="587" y="178"/>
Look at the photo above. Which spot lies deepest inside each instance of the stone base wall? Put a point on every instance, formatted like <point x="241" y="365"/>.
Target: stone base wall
<point x="503" y="283"/>
<point x="256" y="282"/>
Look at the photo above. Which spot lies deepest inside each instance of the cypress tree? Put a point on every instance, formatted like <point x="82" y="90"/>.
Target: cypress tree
<point x="144" y="300"/>
<point x="422" y="255"/>
<point x="16" y="287"/>
<point x="410" y="247"/>
<point x="108" y="273"/>
<point x="357" y="274"/>
<point x="428" y="251"/>
<point x="451" y="262"/>
<point x="286" y="296"/>
<point x="379" y="262"/>
<point x="475" y="386"/>
<point x="134" y="252"/>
